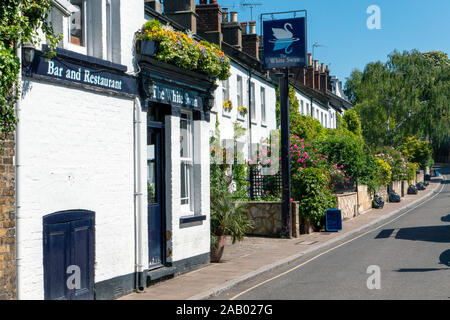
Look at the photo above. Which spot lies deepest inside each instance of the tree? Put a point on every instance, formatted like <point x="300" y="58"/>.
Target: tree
<point x="302" y="126"/>
<point x="20" y="22"/>
<point x="406" y="96"/>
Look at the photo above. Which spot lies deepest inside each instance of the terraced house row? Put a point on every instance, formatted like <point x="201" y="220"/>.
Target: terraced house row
<point x="107" y="175"/>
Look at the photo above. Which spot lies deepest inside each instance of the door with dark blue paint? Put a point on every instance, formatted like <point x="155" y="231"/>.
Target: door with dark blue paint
<point x="69" y="255"/>
<point x="155" y="181"/>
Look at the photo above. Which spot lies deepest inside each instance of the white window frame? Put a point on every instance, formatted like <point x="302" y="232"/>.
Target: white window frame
<point x="225" y="90"/>
<point x="240" y="89"/>
<point x="188" y="207"/>
<point x="252" y="107"/>
<point x="263" y="105"/>
<point x="301" y="107"/>
<point x="83" y="47"/>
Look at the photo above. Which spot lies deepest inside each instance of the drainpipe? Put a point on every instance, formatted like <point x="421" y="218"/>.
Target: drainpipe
<point x="249" y="113"/>
<point x="140" y="276"/>
<point x="17" y="161"/>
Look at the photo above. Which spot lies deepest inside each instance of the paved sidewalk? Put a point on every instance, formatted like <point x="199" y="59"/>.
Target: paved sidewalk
<point x="256" y="255"/>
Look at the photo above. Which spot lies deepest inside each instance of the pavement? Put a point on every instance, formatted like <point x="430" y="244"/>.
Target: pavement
<point x="258" y="256"/>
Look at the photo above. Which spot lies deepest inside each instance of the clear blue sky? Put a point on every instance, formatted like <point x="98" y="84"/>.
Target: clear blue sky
<point x="340" y="25"/>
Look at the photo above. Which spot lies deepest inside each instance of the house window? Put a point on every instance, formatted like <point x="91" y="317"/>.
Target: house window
<point x="108" y="30"/>
<point x="321" y="119"/>
<point x="252" y="101"/>
<point x="263" y="105"/>
<point x="317" y="114"/>
<point x="226" y="90"/>
<point x="186" y="159"/>
<point x="77" y="24"/>
<point x="239" y="91"/>
<point x="307" y="109"/>
<point x="326" y="121"/>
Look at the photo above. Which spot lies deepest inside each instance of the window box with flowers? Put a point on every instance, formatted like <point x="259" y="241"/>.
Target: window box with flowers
<point x="179" y="49"/>
<point x="227" y="107"/>
<point x="242" y="112"/>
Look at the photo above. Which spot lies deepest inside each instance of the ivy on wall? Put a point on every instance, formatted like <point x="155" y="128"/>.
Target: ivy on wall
<point x="20" y="22"/>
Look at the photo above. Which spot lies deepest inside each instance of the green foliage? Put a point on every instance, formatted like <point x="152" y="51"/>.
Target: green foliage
<point x="396" y="160"/>
<point x="418" y="152"/>
<point x="370" y="174"/>
<point x="345" y="150"/>
<point x="409" y="95"/>
<point x="185" y="52"/>
<point x="384" y="170"/>
<point x="310" y="189"/>
<point x="305" y="127"/>
<point x="351" y="122"/>
<point x="227" y="217"/>
<point x="20" y="22"/>
<point x="411" y="173"/>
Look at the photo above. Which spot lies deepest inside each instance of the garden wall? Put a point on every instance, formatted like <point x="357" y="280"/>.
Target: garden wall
<point x="420" y="176"/>
<point x="396" y="186"/>
<point x="383" y="193"/>
<point x="364" y="198"/>
<point x="267" y="219"/>
<point x="348" y="204"/>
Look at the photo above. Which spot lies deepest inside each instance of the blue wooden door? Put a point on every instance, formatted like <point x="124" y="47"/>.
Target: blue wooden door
<point x="69" y="255"/>
<point x="155" y="180"/>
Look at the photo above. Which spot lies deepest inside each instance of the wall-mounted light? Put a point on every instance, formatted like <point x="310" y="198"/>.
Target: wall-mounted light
<point x="209" y="102"/>
<point x="148" y="87"/>
<point x="28" y="52"/>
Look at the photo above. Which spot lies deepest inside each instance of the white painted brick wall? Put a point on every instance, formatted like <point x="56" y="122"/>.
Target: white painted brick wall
<point x="76" y="150"/>
<point x="193" y="240"/>
<point x="259" y="130"/>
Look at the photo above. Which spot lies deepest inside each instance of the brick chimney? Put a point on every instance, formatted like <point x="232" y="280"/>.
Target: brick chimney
<point x="310" y="72"/>
<point x="155" y="5"/>
<point x="182" y="12"/>
<point x="316" y="75"/>
<point x="323" y="78"/>
<point x="208" y="22"/>
<point x="250" y="41"/>
<point x="232" y="31"/>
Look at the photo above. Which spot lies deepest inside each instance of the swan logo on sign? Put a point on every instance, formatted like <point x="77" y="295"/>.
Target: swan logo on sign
<point x="285" y="43"/>
<point x="284" y="38"/>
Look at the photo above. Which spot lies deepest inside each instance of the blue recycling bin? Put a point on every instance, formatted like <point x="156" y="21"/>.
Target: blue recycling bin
<point x="333" y="220"/>
<point x="437" y="173"/>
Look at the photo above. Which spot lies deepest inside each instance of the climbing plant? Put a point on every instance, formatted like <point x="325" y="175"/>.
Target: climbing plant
<point x="21" y="21"/>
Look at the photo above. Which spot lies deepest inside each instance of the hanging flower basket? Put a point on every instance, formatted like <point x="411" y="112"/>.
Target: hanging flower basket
<point x="147" y="47"/>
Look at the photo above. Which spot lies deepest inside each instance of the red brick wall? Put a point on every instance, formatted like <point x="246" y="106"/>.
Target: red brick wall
<point x="7" y="220"/>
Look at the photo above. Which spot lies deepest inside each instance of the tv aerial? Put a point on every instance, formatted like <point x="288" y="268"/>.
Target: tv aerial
<point x="243" y="5"/>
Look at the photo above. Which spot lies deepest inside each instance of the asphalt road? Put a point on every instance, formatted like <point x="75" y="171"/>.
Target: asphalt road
<point x="411" y="253"/>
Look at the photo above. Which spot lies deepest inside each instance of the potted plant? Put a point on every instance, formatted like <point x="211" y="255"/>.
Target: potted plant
<point x="242" y="111"/>
<point x="227" y="217"/>
<point x="227" y="105"/>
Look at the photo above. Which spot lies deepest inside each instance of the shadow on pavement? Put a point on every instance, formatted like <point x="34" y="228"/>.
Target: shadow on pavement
<point x="446" y="218"/>
<point x="429" y="234"/>
<point x="444" y="259"/>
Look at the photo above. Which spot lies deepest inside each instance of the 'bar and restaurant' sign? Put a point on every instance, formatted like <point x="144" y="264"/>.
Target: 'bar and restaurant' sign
<point x="62" y="69"/>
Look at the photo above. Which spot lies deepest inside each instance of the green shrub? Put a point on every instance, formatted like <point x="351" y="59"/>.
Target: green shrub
<point x="418" y="152"/>
<point x="396" y="160"/>
<point x="385" y="172"/>
<point x="412" y="168"/>
<point x="310" y="189"/>
<point x="351" y="122"/>
<point x="344" y="150"/>
<point x="370" y="174"/>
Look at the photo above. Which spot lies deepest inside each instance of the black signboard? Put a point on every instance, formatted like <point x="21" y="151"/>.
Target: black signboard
<point x="60" y="68"/>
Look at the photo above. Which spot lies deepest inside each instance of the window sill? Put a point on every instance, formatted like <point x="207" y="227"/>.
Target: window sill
<point x="190" y="219"/>
<point x="226" y="114"/>
<point x="264" y="124"/>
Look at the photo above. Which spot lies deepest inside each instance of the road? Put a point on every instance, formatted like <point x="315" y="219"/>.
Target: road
<point x="411" y="253"/>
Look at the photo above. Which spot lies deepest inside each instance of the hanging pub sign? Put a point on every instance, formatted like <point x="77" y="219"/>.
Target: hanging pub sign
<point x="59" y="68"/>
<point x="284" y="43"/>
